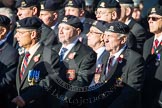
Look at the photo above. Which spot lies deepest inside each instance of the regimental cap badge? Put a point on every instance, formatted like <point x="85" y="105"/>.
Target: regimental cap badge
<point x="23" y="4"/>
<point x="70" y="3"/>
<point x="65" y="19"/>
<point x="111" y="28"/>
<point x="94" y="23"/>
<point x="153" y="10"/>
<point x="17" y="24"/>
<point x="42" y="6"/>
<point x="102" y="4"/>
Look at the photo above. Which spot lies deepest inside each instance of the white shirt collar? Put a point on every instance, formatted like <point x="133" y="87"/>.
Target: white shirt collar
<point x="159" y="38"/>
<point x="128" y="22"/>
<point x="53" y="27"/>
<point x="100" y="51"/>
<point x="33" y="49"/>
<point x="69" y="47"/>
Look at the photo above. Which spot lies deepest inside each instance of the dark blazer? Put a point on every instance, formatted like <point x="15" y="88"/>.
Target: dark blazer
<point x="137" y="36"/>
<point x="48" y="36"/>
<point x="38" y="95"/>
<point x="82" y="63"/>
<point x="8" y="66"/>
<point x="153" y="75"/>
<point x="121" y="89"/>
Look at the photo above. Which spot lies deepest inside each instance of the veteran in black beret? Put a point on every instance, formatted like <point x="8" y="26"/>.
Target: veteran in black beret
<point x="152" y="54"/>
<point x="8" y="65"/>
<point x="95" y="41"/>
<point x="37" y="69"/>
<point x="137" y="35"/>
<point x="108" y="10"/>
<point x="77" y="61"/>
<point x="49" y="13"/>
<point x="122" y="75"/>
<point x="77" y="8"/>
<point x="30" y="8"/>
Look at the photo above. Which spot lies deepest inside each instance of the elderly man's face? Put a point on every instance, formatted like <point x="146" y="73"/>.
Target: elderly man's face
<point x="112" y="41"/>
<point x="24" y="12"/>
<point x="104" y="14"/>
<point x="72" y="11"/>
<point x="23" y="37"/>
<point x="155" y="23"/>
<point x="94" y="37"/>
<point x="67" y="33"/>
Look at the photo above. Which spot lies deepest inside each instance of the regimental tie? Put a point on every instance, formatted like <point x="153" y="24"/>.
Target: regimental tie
<point x="24" y="65"/>
<point x="109" y="66"/>
<point x="62" y="53"/>
<point x="155" y="45"/>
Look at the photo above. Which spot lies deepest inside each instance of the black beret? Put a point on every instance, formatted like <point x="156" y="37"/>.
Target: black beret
<point x="4" y="20"/>
<point x="73" y="21"/>
<point x="76" y="4"/>
<point x="155" y="10"/>
<point x="108" y="4"/>
<point x="30" y="23"/>
<point x="118" y="27"/>
<point x="126" y="2"/>
<point x="50" y="5"/>
<point x="99" y="25"/>
<point x="27" y="3"/>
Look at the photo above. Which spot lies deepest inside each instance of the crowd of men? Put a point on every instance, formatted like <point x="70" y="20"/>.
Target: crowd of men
<point x="64" y="54"/>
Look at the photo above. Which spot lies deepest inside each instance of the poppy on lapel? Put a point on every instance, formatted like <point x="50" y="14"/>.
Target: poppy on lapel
<point x="36" y="58"/>
<point x="72" y="55"/>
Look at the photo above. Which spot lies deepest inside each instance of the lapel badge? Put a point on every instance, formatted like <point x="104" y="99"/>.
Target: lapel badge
<point x="37" y="58"/>
<point x="157" y="59"/>
<point x="99" y="69"/>
<point x="102" y="4"/>
<point x="70" y="74"/>
<point x="120" y="58"/>
<point x="72" y="55"/>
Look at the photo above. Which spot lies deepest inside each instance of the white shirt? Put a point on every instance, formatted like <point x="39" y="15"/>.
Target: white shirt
<point x="68" y="47"/>
<point x="53" y="27"/>
<point x="32" y="50"/>
<point x="100" y="51"/>
<point x="159" y="39"/>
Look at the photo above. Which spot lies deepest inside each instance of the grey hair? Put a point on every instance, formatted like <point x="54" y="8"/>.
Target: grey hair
<point x="9" y="13"/>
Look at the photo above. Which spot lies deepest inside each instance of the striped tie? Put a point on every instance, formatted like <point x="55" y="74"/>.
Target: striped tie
<point x="63" y="50"/>
<point x="109" y="65"/>
<point x="24" y="64"/>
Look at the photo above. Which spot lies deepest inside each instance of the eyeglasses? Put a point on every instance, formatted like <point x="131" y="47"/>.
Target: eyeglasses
<point x="101" y="12"/>
<point x="23" y="32"/>
<point x="154" y="18"/>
